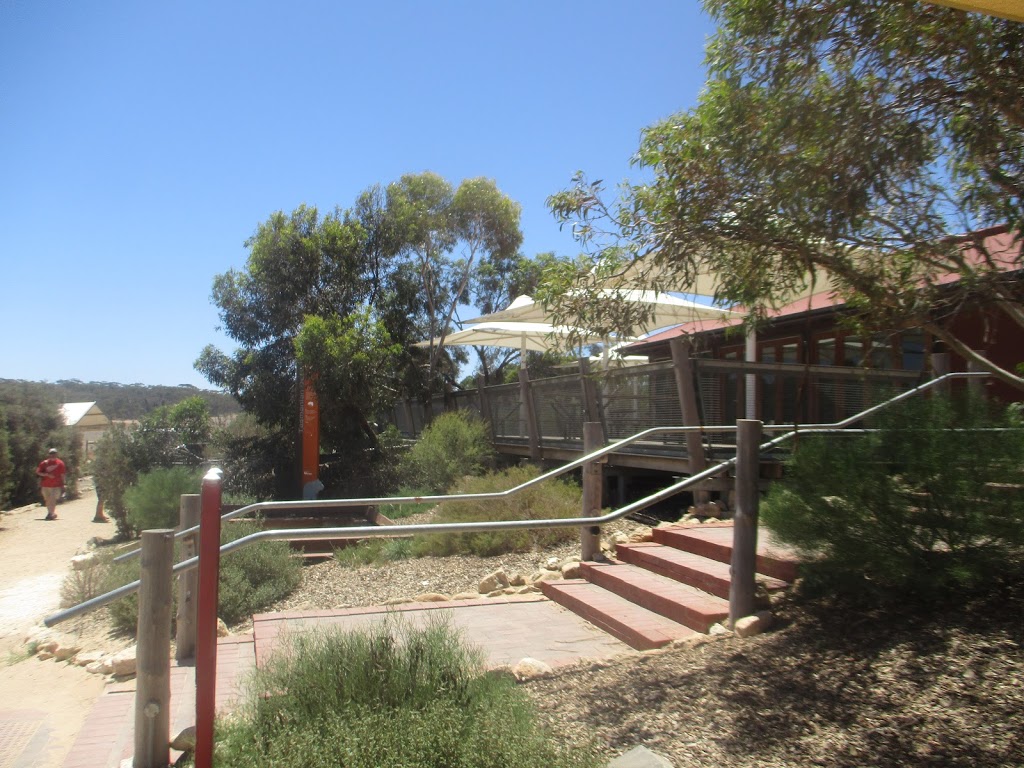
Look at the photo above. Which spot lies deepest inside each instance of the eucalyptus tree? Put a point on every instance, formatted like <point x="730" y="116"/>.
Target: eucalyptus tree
<point x="856" y="138"/>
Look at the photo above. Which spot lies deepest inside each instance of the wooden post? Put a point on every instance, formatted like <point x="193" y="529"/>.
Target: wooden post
<point x="591" y="402"/>
<point x="532" y="426"/>
<point x="153" y="652"/>
<point x="206" y="617"/>
<point x="686" y="387"/>
<point x="593" y="485"/>
<point x="485" y="406"/>
<point x="744" y="525"/>
<point x="940" y="367"/>
<point x="976" y="386"/>
<point x="188" y="582"/>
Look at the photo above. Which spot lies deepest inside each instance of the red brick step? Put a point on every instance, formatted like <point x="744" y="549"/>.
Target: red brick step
<point x="715" y="543"/>
<point x="680" y="602"/>
<point x="686" y="567"/>
<point x="636" y="626"/>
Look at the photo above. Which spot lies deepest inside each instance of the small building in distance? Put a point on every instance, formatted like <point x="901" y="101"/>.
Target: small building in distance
<point x="88" y="423"/>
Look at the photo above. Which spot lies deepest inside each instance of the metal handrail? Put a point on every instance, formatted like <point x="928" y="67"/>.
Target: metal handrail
<point x="367" y="532"/>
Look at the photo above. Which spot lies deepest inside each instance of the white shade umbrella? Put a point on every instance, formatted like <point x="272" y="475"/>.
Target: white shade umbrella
<point x="666" y="309"/>
<point x="535" y="337"/>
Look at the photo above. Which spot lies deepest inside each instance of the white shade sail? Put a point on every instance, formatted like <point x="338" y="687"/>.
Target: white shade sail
<point x="666" y="309"/>
<point x="535" y="337"/>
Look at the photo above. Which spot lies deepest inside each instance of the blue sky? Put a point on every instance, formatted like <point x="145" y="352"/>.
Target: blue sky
<point x="142" y="143"/>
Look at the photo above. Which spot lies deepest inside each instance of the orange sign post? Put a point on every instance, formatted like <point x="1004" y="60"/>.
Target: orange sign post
<point x="310" y="434"/>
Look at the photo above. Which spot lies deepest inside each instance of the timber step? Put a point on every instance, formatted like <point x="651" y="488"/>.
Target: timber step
<point x="632" y="624"/>
<point x="687" y="567"/>
<point x="678" y="585"/>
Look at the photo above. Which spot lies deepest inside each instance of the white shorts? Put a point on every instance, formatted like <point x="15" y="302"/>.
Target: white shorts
<point x="52" y="495"/>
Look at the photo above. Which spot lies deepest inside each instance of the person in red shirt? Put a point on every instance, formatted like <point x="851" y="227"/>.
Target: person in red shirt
<point x="51" y="470"/>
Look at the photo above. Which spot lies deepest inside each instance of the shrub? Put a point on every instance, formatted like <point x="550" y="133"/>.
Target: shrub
<point x="155" y="499"/>
<point x="251" y="579"/>
<point x="912" y="510"/>
<point x="553" y="499"/>
<point x="386" y="695"/>
<point x="454" y="445"/>
<point x="255" y="576"/>
<point x="371" y="551"/>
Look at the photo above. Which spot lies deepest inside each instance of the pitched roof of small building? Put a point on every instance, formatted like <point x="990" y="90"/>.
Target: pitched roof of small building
<point x="83" y="415"/>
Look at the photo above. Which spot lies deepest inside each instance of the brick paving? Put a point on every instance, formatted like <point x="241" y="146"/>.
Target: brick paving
<point x="506" y="630"/>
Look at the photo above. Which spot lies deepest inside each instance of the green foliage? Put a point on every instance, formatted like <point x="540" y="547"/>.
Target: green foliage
<point x="832" y="136"/>
<point x="154" y="501"/>
<point x="455" y="444"/>
<point x="387" y="695"/>
<point x="251" y="579"/>
<point x="30" y="424"/>
<point x="372" y="551"/>
<point x="399" y="511"/>
<point x="256" y="576"/>
<point x="550" y="500"/>
<point x="913" y="510"/>
<point x="123" y="402"/>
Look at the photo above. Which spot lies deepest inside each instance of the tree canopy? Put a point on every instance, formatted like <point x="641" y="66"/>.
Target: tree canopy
<point x="855" y="138"/>
<point x="340" y="298"/>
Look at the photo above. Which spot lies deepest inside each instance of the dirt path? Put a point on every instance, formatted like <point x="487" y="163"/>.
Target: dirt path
<point x="44" y="703"/>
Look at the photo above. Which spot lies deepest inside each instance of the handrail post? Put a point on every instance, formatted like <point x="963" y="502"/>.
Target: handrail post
<point x="744" y="543"/>
<point x="188" y="582"/>
<point x="686" y="386"/>
<point x="206" y="619"/>
<point x="153" y="662"/>
<point x="530" y="413"/>
<point x="940" y="367"/>
<point x="593" y="485"/>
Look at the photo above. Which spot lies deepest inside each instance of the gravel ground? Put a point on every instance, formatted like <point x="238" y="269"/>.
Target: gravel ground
<point x="825" y="688"/>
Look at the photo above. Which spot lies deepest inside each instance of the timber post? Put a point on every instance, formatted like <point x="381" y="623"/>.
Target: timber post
<point x="153" y="657"/>
<point x="743" y="572"/>
<point x="940" y="367"/>
<point x="188" y="582"/>
<point x="686" y="387"/>
<point x="976" y="386"/>
<point x="591" y="402"/>
<point x="206" y="617"/>
<point x="530" y="412"/>
<point x="593" y="485"/>
<point x="485" y="406"/>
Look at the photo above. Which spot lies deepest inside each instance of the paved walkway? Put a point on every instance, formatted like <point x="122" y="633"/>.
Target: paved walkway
<point x="506" y="630"/>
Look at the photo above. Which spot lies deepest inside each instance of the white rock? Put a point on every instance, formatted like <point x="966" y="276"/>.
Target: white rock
<point x="717" y="630"/>
<point x="517" y="580"/>
<point x="122" y="663"/>
<point x="529" y="668"/>
<point x="222" y="628"/>
<point x="431" y="597"/>
<point x="642" y="536"/>
<point x="748" y="626"/>
<point x="65" y="652"/>
<point x="101" y="667"/>
<point x="571" y="570"/>
<point x="87" y="658"/>
<point x="465" y="596"/>
<point x="185" y="741"/>
<point x="493" y="581"/>
<point x="82" y="562"/>
<point x="547" y="576"/>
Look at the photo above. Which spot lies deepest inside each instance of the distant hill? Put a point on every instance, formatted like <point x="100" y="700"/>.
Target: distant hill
<point x="124" y="402"/>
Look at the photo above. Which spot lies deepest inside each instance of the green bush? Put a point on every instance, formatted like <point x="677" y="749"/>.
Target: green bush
<point x="251" y="579"/>
<point x="552" y="499"/>
<point x="371" y="551"/>
<point x="454" y="445"/>
<point x="256" y="576"/>
<point x="155" y="499"/>
<point x="914" y="510"/>
<point x="387" y="695"/>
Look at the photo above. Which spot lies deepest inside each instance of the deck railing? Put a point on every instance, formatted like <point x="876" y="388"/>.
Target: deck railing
<point x="152" y="687"/>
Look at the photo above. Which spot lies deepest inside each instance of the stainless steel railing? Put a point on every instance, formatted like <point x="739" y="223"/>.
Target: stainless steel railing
<point x="367" y="532"/>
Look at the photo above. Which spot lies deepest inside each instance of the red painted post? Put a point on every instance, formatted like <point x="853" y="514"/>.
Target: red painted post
<point x="206" y="617"/>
